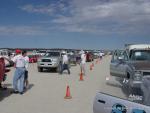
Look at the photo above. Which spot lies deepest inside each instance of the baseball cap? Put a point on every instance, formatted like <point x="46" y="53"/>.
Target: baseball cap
<point x="18" y="51"/>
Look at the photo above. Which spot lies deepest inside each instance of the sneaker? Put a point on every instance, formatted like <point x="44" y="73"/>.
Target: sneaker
<point x="21" y="93"/>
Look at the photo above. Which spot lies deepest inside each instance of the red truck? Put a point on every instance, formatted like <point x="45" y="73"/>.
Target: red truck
<point x="89" y="57"/>
<point x="3" y="71"/>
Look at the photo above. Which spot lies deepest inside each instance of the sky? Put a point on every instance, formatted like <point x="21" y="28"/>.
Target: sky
<point x="78" y="24"/>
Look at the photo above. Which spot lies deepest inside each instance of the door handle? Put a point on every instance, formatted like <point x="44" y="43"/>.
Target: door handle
<point x="101" y="101"/>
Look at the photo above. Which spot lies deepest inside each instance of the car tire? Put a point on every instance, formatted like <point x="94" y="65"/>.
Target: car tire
<point x="58" y="69"/>
<point x="40" y="69"/>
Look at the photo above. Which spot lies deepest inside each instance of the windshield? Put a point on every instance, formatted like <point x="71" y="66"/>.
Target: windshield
<point x="52" y="54"/>
<point x="30" y="56"/>
<point x="140" y="55"/>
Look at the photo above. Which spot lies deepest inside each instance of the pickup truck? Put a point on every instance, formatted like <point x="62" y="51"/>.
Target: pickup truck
<point x="51" y="60"/>
<point x="132" y="64"/>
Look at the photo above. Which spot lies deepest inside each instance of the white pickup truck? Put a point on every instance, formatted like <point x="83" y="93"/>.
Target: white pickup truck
<point x="51" y="60"/>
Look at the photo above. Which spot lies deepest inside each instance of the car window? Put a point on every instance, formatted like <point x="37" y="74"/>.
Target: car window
<point x="140" y="55"/>
<point x="124" y="55"/>
<point x="115" y="57"/>
<point x="118" y="53"/>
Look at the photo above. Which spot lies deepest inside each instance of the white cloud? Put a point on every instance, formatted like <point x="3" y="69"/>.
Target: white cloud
<point x="99" y="16"/>
<point x="38" y="9"/>
<point x="21" y="30"/>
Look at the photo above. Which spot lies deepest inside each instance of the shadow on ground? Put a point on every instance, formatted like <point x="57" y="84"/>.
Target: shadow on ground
<point x="5" y="93"/>
<point x="8" y="92"/>
<point x="29" y="87"/>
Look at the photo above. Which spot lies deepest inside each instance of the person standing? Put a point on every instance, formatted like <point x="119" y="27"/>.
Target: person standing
<point x="26" y="81"/>
<point x="19" y="72"/>
<point x="100" y="55"/>
<point x="65" y="63"/>
<point x="83" y="62"/>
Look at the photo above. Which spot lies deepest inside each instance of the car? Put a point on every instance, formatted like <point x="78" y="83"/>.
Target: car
<point x="51" y="60"/>
<point x="132" y="64"/>
<point x="32" y="58"/>
<point x="89" y="57"/>
<point x="72" y="58"/>
<point x="96" y="54"/>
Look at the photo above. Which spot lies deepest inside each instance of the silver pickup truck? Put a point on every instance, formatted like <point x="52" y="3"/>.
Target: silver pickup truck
<point x="51" y="60"/>
<point x="132" y="64"/>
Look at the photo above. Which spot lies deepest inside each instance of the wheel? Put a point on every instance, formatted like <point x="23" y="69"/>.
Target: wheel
<point x="58" y="69"/>
<point x="40" y="69"/>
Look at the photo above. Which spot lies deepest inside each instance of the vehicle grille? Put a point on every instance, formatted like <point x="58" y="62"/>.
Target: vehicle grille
<point x="46" y="60"/>
<point x="146" y="73"/>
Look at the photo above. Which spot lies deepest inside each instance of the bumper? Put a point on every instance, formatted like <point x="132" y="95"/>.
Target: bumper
<point x="47" y="65"/>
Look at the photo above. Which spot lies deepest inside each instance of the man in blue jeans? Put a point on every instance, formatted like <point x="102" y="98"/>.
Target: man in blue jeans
<point x="65" y="63"/>
<point x="19" y="62"/>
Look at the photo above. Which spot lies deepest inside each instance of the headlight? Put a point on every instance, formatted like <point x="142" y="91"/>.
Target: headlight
<point x="39" y="60"/>
<point x="138" y="76"/>
<point x="54" y="60"/>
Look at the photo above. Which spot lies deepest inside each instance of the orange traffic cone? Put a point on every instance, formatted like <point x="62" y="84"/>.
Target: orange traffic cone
<point x="81" y="76"/>
<point x="68" y="95"/>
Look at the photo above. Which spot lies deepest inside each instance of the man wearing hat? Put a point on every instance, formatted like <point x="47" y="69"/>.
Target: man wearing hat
<point x="19" y="72"/>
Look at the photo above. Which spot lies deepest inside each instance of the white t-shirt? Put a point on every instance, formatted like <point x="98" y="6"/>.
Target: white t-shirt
<point x="19" y="61"/>
<point x="26" y="62"/>
<point x="100" y="54"/>
<point x="83" y="58"/>
<point x="65" y="59"/>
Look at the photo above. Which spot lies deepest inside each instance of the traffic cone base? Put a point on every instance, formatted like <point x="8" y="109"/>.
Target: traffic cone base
<point x="81" y="77"/>
<point x="68" y="95"/>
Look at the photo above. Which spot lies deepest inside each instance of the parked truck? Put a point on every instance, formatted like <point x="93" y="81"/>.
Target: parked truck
<point x="132" y="63"/>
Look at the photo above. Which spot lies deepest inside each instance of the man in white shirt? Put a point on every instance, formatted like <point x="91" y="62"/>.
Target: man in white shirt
<point x="65" y="63"/>
<point x="26" y="81"/>
<point x="19" y="62"/>
<point x="100" y="55"/>
<point x="83" y="62"/>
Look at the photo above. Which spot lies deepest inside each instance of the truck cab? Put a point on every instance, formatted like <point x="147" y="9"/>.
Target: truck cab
<point x="131" y="63"/>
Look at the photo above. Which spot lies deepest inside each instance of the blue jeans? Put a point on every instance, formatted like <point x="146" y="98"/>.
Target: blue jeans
<point x="18" y="80"/>
<point x="65" y="67"/>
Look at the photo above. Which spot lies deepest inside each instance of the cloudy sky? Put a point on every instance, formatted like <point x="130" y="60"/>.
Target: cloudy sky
<point x="93" y="24"/>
